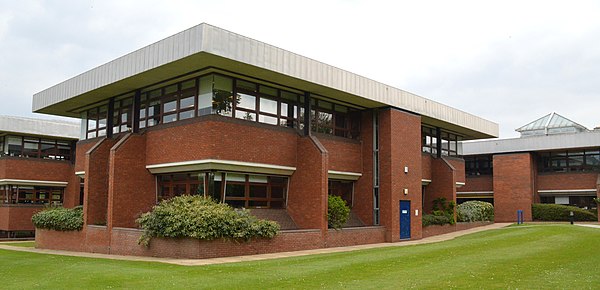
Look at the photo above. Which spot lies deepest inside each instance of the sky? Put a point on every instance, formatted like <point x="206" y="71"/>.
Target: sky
<point x="510" y="62"/>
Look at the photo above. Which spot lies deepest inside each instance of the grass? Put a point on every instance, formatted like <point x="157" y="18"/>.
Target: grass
<point x="530" y="257"/>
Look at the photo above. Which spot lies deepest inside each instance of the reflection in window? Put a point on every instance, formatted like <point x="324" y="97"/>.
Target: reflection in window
<point x="35" y="195"/>
<point x="569" y="161"/>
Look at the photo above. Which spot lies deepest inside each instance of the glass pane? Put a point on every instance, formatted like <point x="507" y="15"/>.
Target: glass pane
<point x="268" y="91"/>
<point x="255" y="203"/>
<point x="267" y="119"/>
<point x="268" y="106"/>
<point x="325" y="105"/>
<point x="235" y="177"/>
<point x="236" y="203"/>
<point x="171" y="89"/>
<point x="186" y="103"/>
<point x="245" y="115"/>
<point x="91" y="124"/>
<point x="277" y="192"/>
<point x="284" y="109"/>
<point x="169" y="118"/>
<point x="205" y="96"/>
<point x="244" y="85"/>
<point x="186" y="115"/>
<point x="246" y="101"/>
<point x="257" y="179"/>
<point x="257" y="190"/>
<point x="289" y="96"/>
<point x="222" y="95"/>
<point x="188" y="84"/>
<point x="170" y="106"/>
<point x="234" y="189"/>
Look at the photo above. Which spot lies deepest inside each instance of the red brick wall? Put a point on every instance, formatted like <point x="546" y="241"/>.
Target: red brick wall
<point x="81" y="149"/>
<point x="436" y="230"/>
<point x="35" y="169"/>
<point x="123" y="241"/>
<point x="17" y="217"/>
<point x="513" y="186"/>
<point x="355" y="236"/>
<point x="426" y="160"/>
<point x="71" y="196"/>
<point x="400" y="139"/>
<point x="363" y="187"/>
<point x="96" y="182"/>
<point x="55" y="240"/>
<point x="478" y="183"/>
<point x="443" y="183"/>
<point x="131" y="188"/>
<point x="459" y="168"/>
<point x="574" y="180"/>
<point x="217" y="137"/>
<point x="307" y="196"/>
<point x="344" y="154"/>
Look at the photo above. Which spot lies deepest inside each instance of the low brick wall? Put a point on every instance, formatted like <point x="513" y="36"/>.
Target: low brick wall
<point x="355" y="236"/>
<point x="435" y="230"/>
<point x="124" y="241"/>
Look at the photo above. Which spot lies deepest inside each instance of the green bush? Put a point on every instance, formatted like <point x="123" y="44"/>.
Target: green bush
<point x="337" y="212"/>
<point x="475" y="211"/>
<point x="558" y="212"/>
<point x="432" y="219"/>
<point x="597" y="200"/>
<point x="202" y="218"/>
<point x="59" y="219"/>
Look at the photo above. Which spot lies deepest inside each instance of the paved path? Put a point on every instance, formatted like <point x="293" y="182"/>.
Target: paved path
<point x="588" y="225"/>
<point x="199" y="262"/>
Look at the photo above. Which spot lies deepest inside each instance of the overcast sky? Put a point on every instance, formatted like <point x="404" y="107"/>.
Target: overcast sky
<point x="510" y="62"/>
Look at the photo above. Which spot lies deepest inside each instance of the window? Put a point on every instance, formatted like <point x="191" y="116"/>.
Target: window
<point x="19" y="194"/>
<point x="225" y="96"/>
<point x="122" y="116"/>
<point x="478" y="165"/>
<point x="96" y="121"/>
<point x="334" y="119"/>
<point x="235" y="189"/>
<point x="569" y="161"/>
<point x="428" y="140"/>
<point x="2" y="152"/>
<point x="448" y="142"/>
<point x="343" y="189"/>
<point x="33" y="147"/>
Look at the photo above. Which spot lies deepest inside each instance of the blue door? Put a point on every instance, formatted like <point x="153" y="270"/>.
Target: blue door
<point x="405" y="219"/>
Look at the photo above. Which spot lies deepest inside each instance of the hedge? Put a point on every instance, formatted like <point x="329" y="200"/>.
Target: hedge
<point x="59" y="219"/>
<point x="475" y="211"/>
<point x="558" y="212"/>
<point x="202" y="218"/>
<point x="431" y="219"/>
<point x="337" y="212"/>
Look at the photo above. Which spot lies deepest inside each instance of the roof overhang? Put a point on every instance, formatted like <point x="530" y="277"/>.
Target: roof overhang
<point x="534" y="143"/>
<point x="220" y="165"/>
<point x="205" y="46"/>
<point x="39" y="127"/>
<point x="33" y="182"/>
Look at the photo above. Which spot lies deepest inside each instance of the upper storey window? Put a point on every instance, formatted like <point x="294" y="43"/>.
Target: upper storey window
<point x="478" y="165"/>
<point x="334" y="119"/>
<point x="221" y="95"/>
<point x="569" y="161"/>
<point x="447" y="143"/>
<point x="34" y="147"/>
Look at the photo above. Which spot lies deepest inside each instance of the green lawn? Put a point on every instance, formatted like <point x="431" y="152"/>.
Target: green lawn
<point x="526" y="257"/>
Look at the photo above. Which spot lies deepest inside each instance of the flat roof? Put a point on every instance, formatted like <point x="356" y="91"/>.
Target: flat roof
<point x="207" y="46"/>
<point x="533" y="143"/>
<point x="39" y="127"/>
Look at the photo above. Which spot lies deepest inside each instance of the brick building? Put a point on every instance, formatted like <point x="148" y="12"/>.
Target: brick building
<point x="207" y="111"/>
<point x="36" y="169"/>
<point x="555" y="160"/>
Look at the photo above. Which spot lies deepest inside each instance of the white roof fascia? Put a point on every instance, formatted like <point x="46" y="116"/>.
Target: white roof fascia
<point x="533" y="143"/>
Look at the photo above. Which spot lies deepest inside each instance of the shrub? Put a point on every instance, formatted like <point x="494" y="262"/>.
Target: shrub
<point x="558" y="212"/>
<point x="432" y="219"/>
<point x="202" y="218"/>
<point x="475" y="211"/>
<point x="597" y="200"/>
<point x="443" y="210"/>
<point x="59" y="219"/>
<point x="337" y="212"/>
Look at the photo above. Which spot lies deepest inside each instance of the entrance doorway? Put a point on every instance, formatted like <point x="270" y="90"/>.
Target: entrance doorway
<point x="404" y="219"/>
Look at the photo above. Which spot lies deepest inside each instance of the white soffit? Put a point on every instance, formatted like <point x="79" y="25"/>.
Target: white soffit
<point x="568" y="192"/>
<point x="343" y="175"/>
<point x="205" y="46"/>
<point x="221" y="165"/>
<point x="33" y="182"/>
